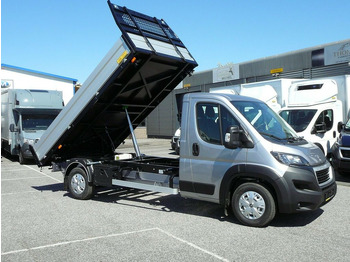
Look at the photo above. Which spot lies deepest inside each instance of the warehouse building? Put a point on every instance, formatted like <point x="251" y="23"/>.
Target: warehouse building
<point x="14" y="77"/>
<point x="327" y="60"/>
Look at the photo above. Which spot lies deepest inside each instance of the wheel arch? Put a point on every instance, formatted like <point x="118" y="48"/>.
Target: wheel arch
<point x="240" y="174"/>
<point x="320" y="147"/>
<point x="77" y="163"/>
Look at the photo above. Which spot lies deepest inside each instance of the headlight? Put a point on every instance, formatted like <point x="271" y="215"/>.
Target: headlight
<point x="290" y="159"/>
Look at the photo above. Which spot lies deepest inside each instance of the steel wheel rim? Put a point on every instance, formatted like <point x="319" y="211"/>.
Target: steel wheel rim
<point x="78" y="183"/>
<point x="251" y="205"/>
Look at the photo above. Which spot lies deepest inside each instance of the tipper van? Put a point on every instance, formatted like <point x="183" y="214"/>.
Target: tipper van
<point x="235" y="151"/>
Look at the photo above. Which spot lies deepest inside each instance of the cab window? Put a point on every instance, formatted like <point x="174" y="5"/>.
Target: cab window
<point x="324" y="121"/>
<point x="213" y="121"/>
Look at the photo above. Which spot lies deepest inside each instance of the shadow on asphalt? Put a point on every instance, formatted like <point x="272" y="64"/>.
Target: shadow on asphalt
<point x="344" y="179"/>
<point x="175" y="203"/>
<point x="14" y="159"/>
<point x="171" y="203"/>
<point x="8" y="156"/>
<point x="296" y="220"/>
<point x="53" y="187"/>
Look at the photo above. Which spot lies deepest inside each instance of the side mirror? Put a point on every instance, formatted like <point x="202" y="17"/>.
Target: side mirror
<point x="13" y="128"/>
<point x="232" y="137"/>
<point x="340" y="126"/>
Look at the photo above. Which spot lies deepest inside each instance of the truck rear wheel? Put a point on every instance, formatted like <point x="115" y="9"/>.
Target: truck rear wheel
<point x="78" y="184"/>
<point x="253" y="205"/>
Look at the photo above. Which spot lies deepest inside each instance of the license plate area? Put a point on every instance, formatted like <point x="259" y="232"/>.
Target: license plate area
<point x="329" y="194"/>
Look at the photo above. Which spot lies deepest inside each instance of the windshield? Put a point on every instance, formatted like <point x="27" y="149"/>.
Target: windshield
<point x="298" y="119"/>
<point x="37" y="122"/>
<point x="265" y="120"/>
<point x="347" y="125"/>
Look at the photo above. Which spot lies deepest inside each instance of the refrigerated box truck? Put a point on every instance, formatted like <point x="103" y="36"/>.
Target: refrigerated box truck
<point x="314" y="110"/>
<point x="243" y="156"/>
<point x="25" y="115"/>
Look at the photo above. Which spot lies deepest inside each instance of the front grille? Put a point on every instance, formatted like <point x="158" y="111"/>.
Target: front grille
<point x="322" y="175"/>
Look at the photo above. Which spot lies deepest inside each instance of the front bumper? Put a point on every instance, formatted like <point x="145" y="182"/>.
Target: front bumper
<point x="306" y="189"/>
<point x="340" y="161"/>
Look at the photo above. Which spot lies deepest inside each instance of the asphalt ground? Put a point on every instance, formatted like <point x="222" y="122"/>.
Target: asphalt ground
<point x="41" y="222"/>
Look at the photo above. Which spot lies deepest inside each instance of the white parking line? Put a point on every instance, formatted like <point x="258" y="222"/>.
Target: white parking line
<point x="193" y="245"/>
<point x="23" y="169"/>
<point x="76" y="241"/>
<point x="16" y="193"/>
<point x="116" y="235"/>
<point x="22" y="178"/>
<point x="3" y="170"/>
<point x="43" y="173"/>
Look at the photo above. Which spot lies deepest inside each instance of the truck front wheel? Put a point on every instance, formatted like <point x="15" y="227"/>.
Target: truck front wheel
<point x="78" y="184"/>
<point x="253" y="205"/>
<point x="21" y="158"/>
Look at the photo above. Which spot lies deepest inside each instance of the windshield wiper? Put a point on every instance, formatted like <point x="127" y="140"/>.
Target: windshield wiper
<point x="272" y="136"/>
<point x="292" y="139"/>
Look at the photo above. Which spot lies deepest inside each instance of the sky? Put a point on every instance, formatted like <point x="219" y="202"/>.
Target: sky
<point x="70" y="37"/>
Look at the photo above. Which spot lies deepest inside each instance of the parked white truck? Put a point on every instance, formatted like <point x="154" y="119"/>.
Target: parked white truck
<point x="314" y="110"/>
<point x="235" y="150"/>
<point x="264" y="93"/>
<point x="280" y="86"/>
<point x="25" y="115"/>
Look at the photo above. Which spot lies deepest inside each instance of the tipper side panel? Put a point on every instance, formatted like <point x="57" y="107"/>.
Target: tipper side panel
<point x="151" y="62"/>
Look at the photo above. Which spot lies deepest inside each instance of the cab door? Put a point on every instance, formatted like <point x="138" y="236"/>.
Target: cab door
<point x="325" y="130"/>
<point x="207" y="160"/>
<point x="15" y="132"/>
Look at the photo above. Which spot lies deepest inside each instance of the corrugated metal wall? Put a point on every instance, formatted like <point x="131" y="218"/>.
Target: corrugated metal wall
<point x="162" y="122"/>
<point x="262" y="67"/>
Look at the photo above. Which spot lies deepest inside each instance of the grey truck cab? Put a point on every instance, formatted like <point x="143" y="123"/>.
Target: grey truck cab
<point x="237" y="151"/>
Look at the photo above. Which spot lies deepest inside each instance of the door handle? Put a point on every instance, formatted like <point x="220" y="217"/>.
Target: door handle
<point x="195" y="149"/>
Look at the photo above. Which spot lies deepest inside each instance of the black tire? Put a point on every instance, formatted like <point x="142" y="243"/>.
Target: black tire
<point x="253" y="205"/>
<point x="78" y="184"/>
<point x="21" y="158"/>
<point x="343" y="173"/>
<point x="177" y="150"/>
